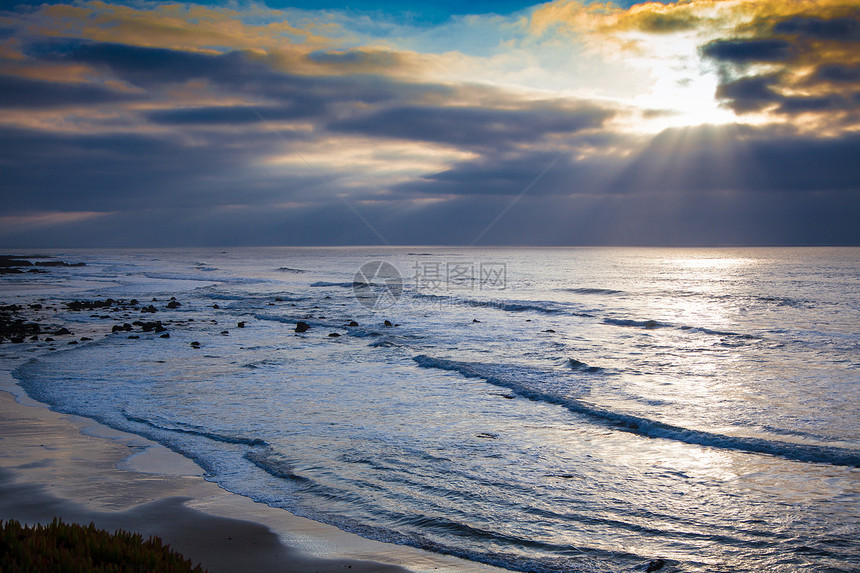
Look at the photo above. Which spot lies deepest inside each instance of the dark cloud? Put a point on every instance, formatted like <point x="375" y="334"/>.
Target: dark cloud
<point x="113" y="172"/>
<point x="193" y="175"/>
<point x="743" y="51"/>
<point x="234" y="114"/>
<point x="17" y="92"/>
<point x="756" y="93"/>
<point x="750" y="94"/>
<point x="816" y="46"/>
<point x="836" y="73"/>
<point x="362" y="61"/>
<point x="841" y="29"/>
<point x="744" y="160"/>
<point x="473" y="127"/>
<point x="793" y="105"/>
<point x="144" y="66"/>
<point x="741" y="161"/>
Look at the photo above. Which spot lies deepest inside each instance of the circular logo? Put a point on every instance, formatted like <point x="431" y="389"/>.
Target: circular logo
<point x="377" y="285"/>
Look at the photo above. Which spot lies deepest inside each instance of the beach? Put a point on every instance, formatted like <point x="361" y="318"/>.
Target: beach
<point x="54" y="465"/>
<point x="574" y="420"/>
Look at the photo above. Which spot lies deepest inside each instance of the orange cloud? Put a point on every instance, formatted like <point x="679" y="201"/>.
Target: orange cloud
<point x="812" y="70"/>
<point x="173" y="26"/>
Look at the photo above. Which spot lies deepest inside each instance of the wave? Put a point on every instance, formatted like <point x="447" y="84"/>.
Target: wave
<point x="720" y="332"/>
<point x="636" y="323"/>
<point x="495" y="374"/>
<point x="351" y="284"/>
<point x="291" y="270"/>
<point x="194" y="430"/>
<point x="606" y="291"/>
<point x="650" y="324"/>
<point x="544" y="307"/>
<point x="268" y="461"/>
<point x="196" y="277"/>
<point x="582" y="366"/>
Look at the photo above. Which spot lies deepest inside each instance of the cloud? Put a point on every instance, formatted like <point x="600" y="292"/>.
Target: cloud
<point x="750" y="94"/>
<point x="793" y="63"/>
<point x="16" y="92"/>
<point x="739" y="51"/>
<point x="476" y="127"/>
<point x="840" y="29"/>
<point x="175" y="124"/>
<point x="779" y="59"/>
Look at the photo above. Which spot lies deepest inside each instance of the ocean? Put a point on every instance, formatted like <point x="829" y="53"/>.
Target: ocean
<point x="547" y="409"/>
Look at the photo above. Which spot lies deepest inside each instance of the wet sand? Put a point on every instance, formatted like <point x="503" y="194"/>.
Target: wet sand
<point x="57" y="465"/>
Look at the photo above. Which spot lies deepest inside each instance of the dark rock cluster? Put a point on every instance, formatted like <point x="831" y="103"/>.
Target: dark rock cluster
<point x="11" y="264"/>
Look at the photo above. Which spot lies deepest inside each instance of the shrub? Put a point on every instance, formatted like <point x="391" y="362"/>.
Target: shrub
<point x="71" y="548"/>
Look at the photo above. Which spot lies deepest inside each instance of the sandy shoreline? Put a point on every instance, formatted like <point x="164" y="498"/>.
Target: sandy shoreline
<point x="57" y="465"/>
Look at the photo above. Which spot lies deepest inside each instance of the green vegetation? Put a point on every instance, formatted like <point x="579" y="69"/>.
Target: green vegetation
<point x="70" y="548"/>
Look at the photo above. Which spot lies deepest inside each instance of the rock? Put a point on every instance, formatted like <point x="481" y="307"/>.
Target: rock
<point x="85" y="339"/>
<point x="195" y="344"/>
<point x="388" y="323"/>
<point x="215" y="306"/>
<point x="353" y="323"/>
<point x="165" y="335"/>
<point x="71" y="342"/>
<point x="7" y="261"/>
<point x="58" y="264"/>
<point x="651" y="324"/>
<point x="134" y="337"/>
<point x="174" y="304"/>
<point x="302" y="326"/>
<point x="333" y="334"/>
<point x="475" y="320"/>
<point x="549" y="330"/>
<point x="34" y="338"/>
<point x="240" y="324"/>
<point x="49" y="339"/>
<point x="78" y="305"/>
<point x="655" y="565"/>
<point x="225" y="332"/>
<point x="159" y="327"/>
<point x="19" y="339"/>
<point x="63" y="331"/>
<point x="133" y="302"/>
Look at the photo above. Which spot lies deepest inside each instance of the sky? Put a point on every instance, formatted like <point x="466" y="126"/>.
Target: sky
<point x="220" y="123"/>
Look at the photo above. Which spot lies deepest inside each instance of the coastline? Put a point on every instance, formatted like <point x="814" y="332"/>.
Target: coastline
<point x="53" y="464"/>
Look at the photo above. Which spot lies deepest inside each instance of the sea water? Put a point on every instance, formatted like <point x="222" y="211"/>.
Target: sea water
<point x="536" y="409"/>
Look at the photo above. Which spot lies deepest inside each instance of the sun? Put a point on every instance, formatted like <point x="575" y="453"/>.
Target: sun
<point x="682" y="91"/>
<point x="683" y="102"/>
